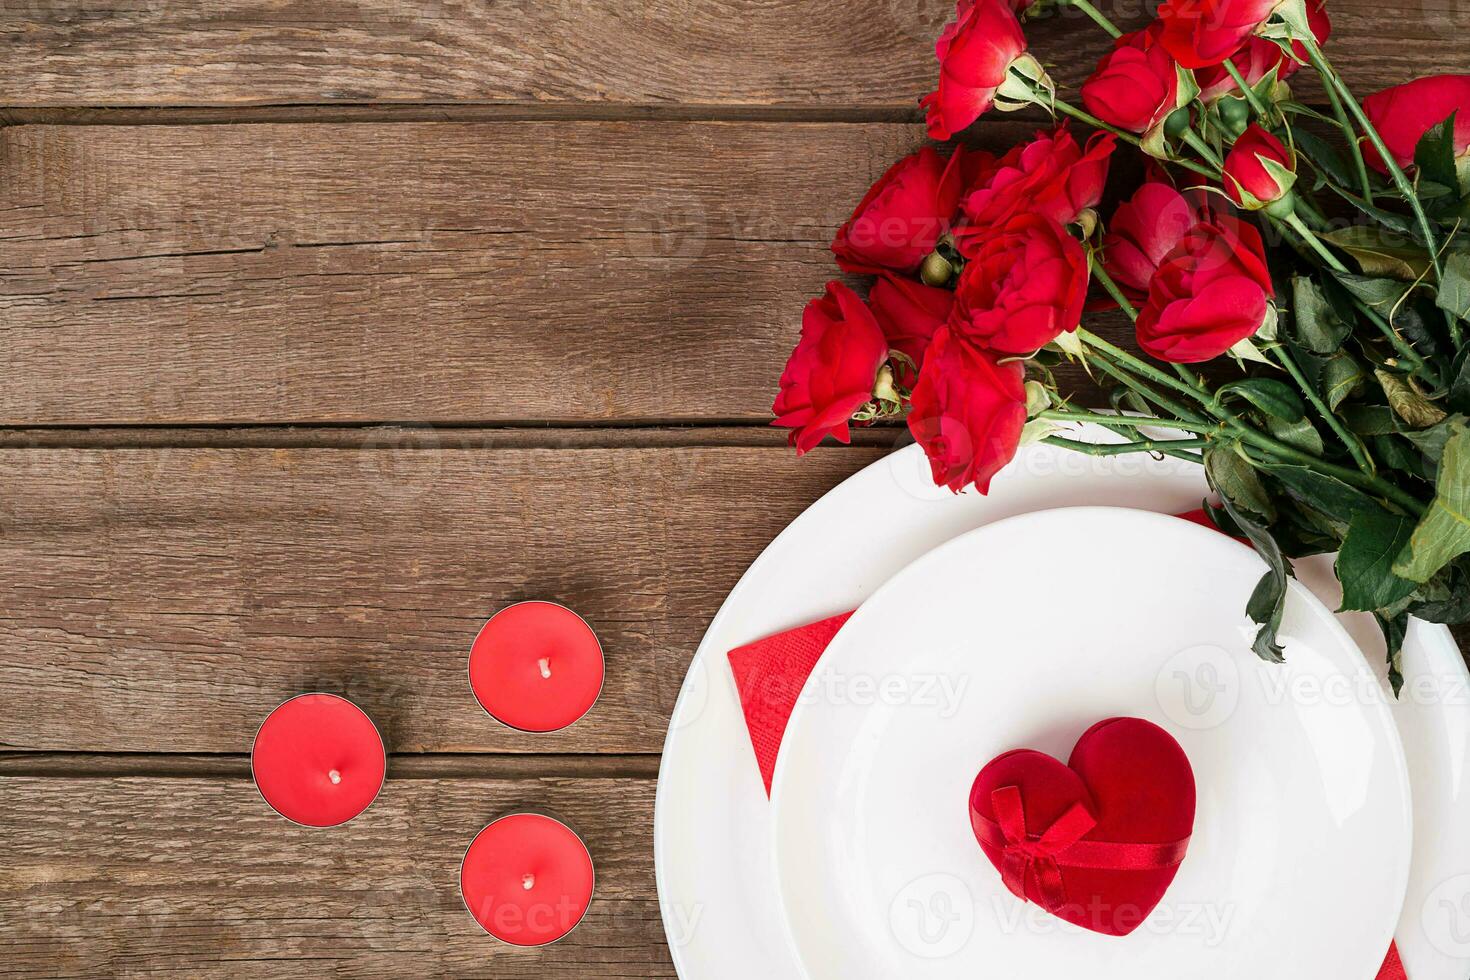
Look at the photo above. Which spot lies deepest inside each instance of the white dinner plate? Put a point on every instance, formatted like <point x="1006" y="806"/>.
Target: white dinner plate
<point x="711" y="824"/>
<point x="1024" y="634"/>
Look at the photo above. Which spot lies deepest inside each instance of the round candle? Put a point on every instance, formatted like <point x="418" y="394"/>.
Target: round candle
<point x="536" y="666"/>
<point x="527" y="879"/>
<point x="318" y="760"/>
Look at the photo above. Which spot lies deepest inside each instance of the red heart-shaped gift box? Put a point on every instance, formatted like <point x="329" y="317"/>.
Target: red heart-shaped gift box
<point x="1098" y="841"/>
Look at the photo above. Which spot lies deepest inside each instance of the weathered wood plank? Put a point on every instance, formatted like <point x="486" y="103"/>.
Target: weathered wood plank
<point x="297" y="273"/>
<point x="876" y="53"/>
<point x="196" y="877"/>
<point x="164" y="600"/>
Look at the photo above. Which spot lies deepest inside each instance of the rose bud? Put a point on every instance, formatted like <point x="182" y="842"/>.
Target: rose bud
<point x="1144" y="229"/>
<point x="1404" y="113"/>
<point x="1259" y="172"/>
<point x="1136" y="84"/>
<point x="1201" y="33"/>
<point x="1210" y="292"/>
<point x="977" y="54"/>
<point x="968" y="412"/>
<point x="833" y="370"/>
<point x="1260" y="57"/>
<point x="1024" y="285"/>
<point x="909" y="313"/>
<point x="1050" y="176"/>
<point x="903" y="216"/>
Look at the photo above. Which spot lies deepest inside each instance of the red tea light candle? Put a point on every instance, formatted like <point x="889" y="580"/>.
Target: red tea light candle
<point x="536" y="667"/>
<point x="318" y="760"/>
<point x="527" y="879"/>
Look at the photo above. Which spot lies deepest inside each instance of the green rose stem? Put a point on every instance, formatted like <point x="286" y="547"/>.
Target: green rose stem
<point x="1098" y="17"/>
<point x="1201" y="147"/>
<point x="1343" y="122"/>
<point x="1081" y="115"/>
<point x="1246" y="90"/>
<point x="1401" y="180"/>
<point x="1272" y="447"/>
<point x="1169" y="447"/>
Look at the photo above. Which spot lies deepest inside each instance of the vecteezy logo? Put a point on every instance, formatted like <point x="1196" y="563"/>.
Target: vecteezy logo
<point x="1446" y="917"/>
<point x="933" y="917"/>
<point x="1199" y="687"/>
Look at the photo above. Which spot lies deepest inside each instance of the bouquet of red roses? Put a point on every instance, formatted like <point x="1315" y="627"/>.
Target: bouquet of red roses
<point x="1337" y="418"/>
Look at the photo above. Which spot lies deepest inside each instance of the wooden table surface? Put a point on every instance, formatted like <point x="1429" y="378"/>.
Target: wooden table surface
<point x="328" y="327"/>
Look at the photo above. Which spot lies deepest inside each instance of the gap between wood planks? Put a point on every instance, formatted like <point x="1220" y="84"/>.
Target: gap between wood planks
<point x="398" y="436"/>
<point x="154" y="765"/>
<point x="411" y="112"/>
<point x="462" y="112"/>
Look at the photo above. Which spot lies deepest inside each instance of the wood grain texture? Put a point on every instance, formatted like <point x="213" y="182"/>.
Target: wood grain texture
<point x="876" y="53"/>
<point x="297" y="273"/>
<point x="165" y="600"/>
<point x="196" y="877"/>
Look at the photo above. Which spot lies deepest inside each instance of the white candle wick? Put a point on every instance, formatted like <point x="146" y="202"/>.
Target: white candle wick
<point x="545" y="664"/>
<point x="528" y="882"/>
<point x="335" y="777"/>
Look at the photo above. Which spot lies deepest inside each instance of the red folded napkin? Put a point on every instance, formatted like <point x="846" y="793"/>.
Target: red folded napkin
<point x="769" y="676"/>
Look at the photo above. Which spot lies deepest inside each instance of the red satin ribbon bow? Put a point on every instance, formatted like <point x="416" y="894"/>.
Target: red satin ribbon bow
<point x="1028" y="856"/>
<point x="1042" y="856"/>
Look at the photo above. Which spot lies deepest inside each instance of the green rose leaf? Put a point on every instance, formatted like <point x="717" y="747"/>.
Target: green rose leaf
<point x="1365" y="563"/>
<point x="1459" y="397"/>
<point x="1443" y="533"/>
<point x="1238" y="481"/>
<point x="1317" y="323"/>
<point x="1325" y="493"/>
<point x="1454" y="288"/>
<point x="1275" y="398"/>
<point x="1431" y="441"/>
<point x="1302" y="434"/>
<point x="1324" y="156"/>
<point x="1379" y="293"/>
<point x="1341" y="378"/>
<point x="1380" y="253"/>
<point x="1434" y="157"/>
<point x="1268" y="600"/>
<point x="1444" y="598"/>
<point x="1394" y="629"/>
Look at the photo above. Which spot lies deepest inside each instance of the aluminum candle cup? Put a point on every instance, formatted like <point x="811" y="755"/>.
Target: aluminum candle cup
<point x="527" y="879"/>
<point x="536" y="667"/>
<point x="318" y="760"/>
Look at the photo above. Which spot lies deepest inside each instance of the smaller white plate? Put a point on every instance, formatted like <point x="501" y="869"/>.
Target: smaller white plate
<point x="1023" y="634"/>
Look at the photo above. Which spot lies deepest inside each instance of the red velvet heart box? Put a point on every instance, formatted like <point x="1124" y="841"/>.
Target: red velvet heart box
<point x="1098" y="841"/>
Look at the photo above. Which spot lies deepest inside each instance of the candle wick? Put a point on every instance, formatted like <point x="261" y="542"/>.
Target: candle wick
<point x="545" y="664"/>
<point x="335" y="777"/>
<point x="528" y="882"/>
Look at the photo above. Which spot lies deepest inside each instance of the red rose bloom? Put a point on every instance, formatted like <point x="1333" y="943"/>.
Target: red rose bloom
<point x="975" y="52"/>
<point x="1050" y="176"/>
<point x="1259" y="56"/>
<point x="1144" y="229"/>
<point x="968" y="412"/>
<point x="909" y="313"/>
<point x="1024" y="285"/>
<point x="830" y="374"/>
<point x="1209" y="293"/>
<point x="1201" y="33"/>
<point x="1136" y="84"/>
<point x="903" y="215"/>
<point x="1249" y="183"/>
<point x="1404" y="113"/>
